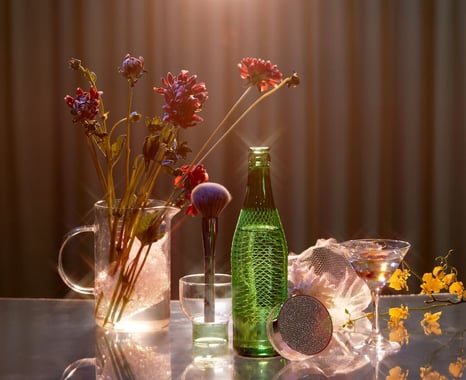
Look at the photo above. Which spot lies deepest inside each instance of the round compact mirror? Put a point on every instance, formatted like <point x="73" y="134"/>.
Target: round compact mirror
<point x="300" y="327"/>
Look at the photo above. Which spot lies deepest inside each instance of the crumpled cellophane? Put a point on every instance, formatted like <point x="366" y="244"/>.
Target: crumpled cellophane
<point x="324" y="272"/>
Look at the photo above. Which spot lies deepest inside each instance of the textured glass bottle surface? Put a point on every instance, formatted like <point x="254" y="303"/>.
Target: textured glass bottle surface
<point x="258" y="264"/>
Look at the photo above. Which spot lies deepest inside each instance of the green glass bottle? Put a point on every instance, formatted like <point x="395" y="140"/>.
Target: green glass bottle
<point x="259" y="259"/>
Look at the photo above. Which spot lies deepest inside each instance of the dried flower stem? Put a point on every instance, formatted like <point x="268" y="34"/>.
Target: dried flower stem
<point x="220" y="125"/>
<point x="96" y="162"/>
<point x="241" y="117"/>
<point x="128" y="136"/>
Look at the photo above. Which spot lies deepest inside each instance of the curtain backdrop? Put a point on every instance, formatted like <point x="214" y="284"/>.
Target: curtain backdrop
<point x="372" y="142"/>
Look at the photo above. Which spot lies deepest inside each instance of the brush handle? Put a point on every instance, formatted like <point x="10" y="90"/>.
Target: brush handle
<point x="209" y="238"/>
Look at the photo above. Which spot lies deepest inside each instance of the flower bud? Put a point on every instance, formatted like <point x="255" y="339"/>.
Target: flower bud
<point x="294" y="80"/>
<point x="135" y="116"/>
<point x="132" y="68"/>
<point x="74" y="63"/>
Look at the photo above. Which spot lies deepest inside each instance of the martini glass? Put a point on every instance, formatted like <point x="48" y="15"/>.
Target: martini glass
<point x="375" y="260"/>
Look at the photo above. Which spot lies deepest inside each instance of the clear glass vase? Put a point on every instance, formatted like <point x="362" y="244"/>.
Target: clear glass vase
<point x="131" y="266"/>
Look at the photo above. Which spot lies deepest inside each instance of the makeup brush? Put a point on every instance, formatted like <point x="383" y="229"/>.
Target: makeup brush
<point x="210" y="199"/>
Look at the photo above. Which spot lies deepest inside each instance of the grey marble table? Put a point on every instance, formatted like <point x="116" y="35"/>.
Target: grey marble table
<point x="40" y="338"/>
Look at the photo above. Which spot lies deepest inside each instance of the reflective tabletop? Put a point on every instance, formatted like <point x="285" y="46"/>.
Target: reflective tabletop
<point x="41" y="338"/>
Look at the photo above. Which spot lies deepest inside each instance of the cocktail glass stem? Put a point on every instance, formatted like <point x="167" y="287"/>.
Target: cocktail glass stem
<point x="375" y="337"/>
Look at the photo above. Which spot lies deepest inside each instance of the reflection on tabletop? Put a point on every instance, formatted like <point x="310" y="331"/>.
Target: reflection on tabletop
<point x="437" y="355"/>
<point x="41" y="338"/>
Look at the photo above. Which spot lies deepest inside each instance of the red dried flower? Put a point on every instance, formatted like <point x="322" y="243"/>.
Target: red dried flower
<point x="132" y="68"/>
<point x="193" y="176"/>
<point x="191" y="210"/>
<point x="85" y="106"/>
<point x="183" y="99"/>
<point x="260" y="73"/>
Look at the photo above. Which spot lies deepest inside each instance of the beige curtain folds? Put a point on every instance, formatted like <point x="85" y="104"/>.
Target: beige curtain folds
<point x="372" y="143"/>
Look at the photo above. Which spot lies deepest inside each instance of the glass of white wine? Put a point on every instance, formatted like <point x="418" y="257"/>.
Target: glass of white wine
<point x="375" y="260"/>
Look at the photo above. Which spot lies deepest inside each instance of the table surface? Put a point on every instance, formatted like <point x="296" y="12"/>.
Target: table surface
<point x="41" y="337"/>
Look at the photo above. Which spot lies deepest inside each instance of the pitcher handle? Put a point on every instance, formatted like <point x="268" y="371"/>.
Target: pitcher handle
<point x="76" y="366"/>
<point x="61" y="271"/>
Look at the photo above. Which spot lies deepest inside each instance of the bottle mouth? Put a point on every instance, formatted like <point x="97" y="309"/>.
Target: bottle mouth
<point x="259" y="156"/>
<point x="259" y="149"/>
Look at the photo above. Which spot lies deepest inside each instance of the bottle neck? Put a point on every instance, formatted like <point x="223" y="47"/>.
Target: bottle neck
<point x="259" y="186"/>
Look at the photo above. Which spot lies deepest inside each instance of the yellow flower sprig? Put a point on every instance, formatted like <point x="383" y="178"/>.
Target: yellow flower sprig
<point x="456" y="367"/>
<point x="443" y="278"/>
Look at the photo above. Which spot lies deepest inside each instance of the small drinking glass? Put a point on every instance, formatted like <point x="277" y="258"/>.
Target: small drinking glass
<point x="209" y="319"/>
<point x="375" y="260"/>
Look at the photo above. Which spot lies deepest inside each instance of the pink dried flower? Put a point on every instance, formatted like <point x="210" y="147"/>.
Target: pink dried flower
<point x="85" y="106"/>
<point x="260" y="73"/>
<point x="183" y="99"/>
<point x="132" y="68"/>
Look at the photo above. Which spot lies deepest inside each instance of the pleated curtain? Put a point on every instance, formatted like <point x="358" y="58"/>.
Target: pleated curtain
<point x="370" y="144"/>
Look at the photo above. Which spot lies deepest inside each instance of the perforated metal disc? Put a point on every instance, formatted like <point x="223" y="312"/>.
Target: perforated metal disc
<point x="305" y="324"/>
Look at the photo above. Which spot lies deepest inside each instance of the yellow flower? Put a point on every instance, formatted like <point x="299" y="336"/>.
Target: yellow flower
<point x="399" y="334"/>
<point x="396" y="373"/>
<point x="438" y="272"/>
<point x="428" y="374"/>
<point x="449" y="279"/>
<point x="398" y="279"/>
<point x="457" y="288"/>
<point x="430" y="323"/>
<point x="397" y="314"/>
<point x="431" y="284"/>
<point x="456" y="369"/>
